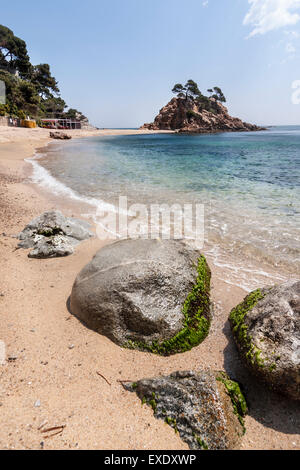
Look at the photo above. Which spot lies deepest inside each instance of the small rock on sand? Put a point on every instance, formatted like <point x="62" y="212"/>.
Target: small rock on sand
<point x="53" y="235"/>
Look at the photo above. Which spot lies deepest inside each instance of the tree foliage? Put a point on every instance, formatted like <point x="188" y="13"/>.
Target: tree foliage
<point x="44" y="82"/>
<point x="53" y="106"/>
<point x="13" y="52"/>
<point x="20" y="95"/>
<point x="179" y="90"/>
<point x="191" y="91"/>
<point x="30" y="89"/>
<point x="218" y="95"/>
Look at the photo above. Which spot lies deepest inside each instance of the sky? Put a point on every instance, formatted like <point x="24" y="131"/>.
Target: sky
<point x="117" y="60"/>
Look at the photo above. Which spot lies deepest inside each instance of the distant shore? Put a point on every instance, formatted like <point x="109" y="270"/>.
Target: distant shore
<point x="19" y="134"/>
<point x="57" y="358"/>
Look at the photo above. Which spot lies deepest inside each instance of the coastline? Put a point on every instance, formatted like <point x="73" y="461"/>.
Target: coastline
<point x="39" y="330"/>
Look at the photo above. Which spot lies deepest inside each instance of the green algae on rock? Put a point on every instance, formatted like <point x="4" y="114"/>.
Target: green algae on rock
<point x="266" y="329"/>
<point x="240" y="328"/>
<point x="196" y="310"/>
<point x="205" y="408"/>
<point x="237" y="398"/>
<point x="150" y="295"/>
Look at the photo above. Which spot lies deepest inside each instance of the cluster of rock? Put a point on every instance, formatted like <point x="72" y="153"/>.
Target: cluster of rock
<point x="137" y="292"/>
<point x="185" y="116"/>
<point x="154" y="295"/>
<point x="207" y="408"/>
<point x="53" y="235"/>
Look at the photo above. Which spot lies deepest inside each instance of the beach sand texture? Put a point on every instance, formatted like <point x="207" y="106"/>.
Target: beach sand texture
<point x="53" y="376"/>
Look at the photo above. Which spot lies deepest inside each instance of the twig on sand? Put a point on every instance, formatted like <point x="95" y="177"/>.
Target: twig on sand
<point x="104" y="378"/>
<point x="55" y="434"/>
<point x="58" y="429"/>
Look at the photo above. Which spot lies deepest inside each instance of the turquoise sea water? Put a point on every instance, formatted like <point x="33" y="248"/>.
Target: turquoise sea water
<point x="249" y="184"/>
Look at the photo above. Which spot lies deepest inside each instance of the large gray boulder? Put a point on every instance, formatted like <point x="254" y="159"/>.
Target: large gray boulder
<point x="53" y="235"/>
<point x="205" y="407"/>
<point x="266" y="328"/>
<point x="151" y="295"/>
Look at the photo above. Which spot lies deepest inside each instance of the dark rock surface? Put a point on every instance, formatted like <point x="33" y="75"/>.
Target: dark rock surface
<point x="134" y="292"/>
<point x="53" y="235"/>
<point x="266" y="328"/>
<point x="205" y="407"/>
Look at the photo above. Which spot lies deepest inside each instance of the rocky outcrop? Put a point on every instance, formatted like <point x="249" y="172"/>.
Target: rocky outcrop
<point x="53" y="235"/>
<point x="85" y="124"/>
<point x="185" y="115"/>
<point x="60" y="136"/>
<point x="266" y="328"/>
<point x="205" y="407"/>
<point x="145" y="294"/>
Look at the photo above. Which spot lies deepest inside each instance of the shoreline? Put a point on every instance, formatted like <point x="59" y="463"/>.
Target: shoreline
<point x="246" y="273"/>
<point x="39" y="330"/>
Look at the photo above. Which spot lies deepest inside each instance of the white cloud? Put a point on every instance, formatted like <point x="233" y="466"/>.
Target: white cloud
<point x="205" y="3"/>
<point x="268" y="15"/>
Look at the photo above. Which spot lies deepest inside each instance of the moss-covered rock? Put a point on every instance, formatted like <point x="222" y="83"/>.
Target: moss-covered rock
<point x="150" y="295"/>
<point x="266" y="329"/>
<point x="240" y="327"/>
<point x="237" y="398"/>
<point x="206" y="408"/>
<point x="196" y="311"/>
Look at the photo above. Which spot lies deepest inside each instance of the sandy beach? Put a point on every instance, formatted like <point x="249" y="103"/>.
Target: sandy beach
<point x="51" y="374"/>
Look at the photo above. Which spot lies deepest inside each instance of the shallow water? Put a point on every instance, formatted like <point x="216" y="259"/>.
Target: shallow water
<point x="249" y="184"/>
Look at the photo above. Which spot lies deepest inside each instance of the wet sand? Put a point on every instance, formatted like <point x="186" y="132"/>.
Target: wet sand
<point x="55" y="359"/>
